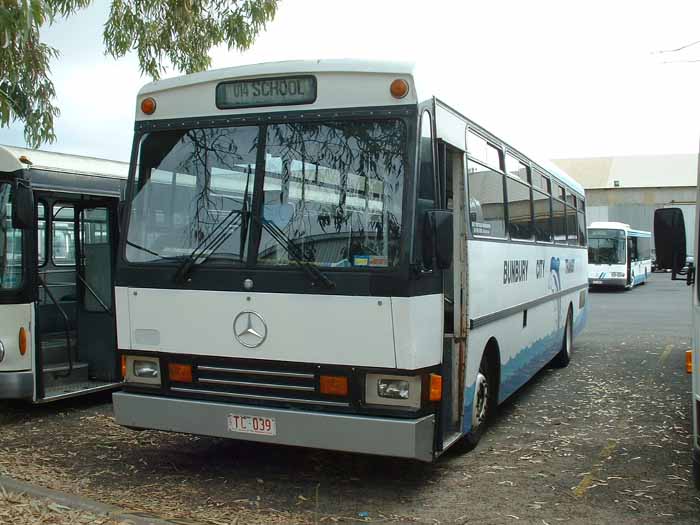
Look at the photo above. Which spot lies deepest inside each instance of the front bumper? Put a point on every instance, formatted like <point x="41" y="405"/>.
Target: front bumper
<point x="17" y="385"/>
<point x="607" y="282"/>
<point x="406" y="438"/>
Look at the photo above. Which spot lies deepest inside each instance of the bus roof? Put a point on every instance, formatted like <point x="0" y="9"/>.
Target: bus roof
<point x="286" y="67"/>
<point x="619" y="226"/>
<point x="14" y="158"/>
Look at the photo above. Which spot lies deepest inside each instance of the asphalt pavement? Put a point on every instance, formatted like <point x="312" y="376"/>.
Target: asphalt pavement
<point x="606" y="440"/>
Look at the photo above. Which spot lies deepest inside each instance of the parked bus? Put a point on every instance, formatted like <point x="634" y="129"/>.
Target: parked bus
<point x="313" y="256"/>
<point x="670" y="241"/>
<point x="618" y="255"/>
<point x="57" y="244"/>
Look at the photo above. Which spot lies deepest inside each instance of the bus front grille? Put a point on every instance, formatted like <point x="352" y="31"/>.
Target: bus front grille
<point x="257" y="383"/>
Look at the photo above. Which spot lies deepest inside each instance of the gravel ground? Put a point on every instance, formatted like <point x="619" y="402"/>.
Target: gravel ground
<point x="604" y="440"/>
<point x="19" y="509"/>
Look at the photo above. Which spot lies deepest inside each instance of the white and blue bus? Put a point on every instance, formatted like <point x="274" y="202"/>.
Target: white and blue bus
<point x="618" y="255"/>
<point x="315" y="255"/>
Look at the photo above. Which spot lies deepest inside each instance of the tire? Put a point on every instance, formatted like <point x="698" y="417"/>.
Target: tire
<point x="696" y="469"/>
<point x="563" y="358"/>
<point x="483" y="404"/>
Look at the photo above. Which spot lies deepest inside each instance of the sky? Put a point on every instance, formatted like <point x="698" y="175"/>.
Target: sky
<point x="556" y="79"/>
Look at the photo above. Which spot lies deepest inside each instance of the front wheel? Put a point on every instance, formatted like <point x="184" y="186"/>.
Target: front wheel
<point x="482" y="404"/>
<point x="563" y="358"/>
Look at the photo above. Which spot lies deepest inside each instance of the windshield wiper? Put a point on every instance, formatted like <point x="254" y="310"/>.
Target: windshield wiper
<point x="214" y="239"/>
<point x="294" y="252"/>
<point x="144" y="249"/>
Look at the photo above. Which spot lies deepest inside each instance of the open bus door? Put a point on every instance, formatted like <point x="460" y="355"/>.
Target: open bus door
<point x="454" y="278"/>
<point x="76" y="329"/>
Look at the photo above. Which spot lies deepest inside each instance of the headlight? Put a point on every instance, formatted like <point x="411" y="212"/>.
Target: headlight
<point x="142" y="370"/>
<point x="393" y="390"/>
<point x="2" y="351"/>
<point x="146" y="369"/>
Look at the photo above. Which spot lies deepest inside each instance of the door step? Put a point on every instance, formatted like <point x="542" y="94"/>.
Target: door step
<point x="75" y="389"/>
<point x="55" y="374"/>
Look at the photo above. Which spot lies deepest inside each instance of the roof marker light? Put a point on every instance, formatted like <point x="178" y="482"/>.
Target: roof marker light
<point x="399" y="88"/>
<point x="148" y="105"/>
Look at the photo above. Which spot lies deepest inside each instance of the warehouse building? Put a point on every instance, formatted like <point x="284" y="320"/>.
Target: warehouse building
<point x="629" y="188"/>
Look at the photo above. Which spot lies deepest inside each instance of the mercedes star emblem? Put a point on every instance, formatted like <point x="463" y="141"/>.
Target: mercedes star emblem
<point x="250" y="329"/>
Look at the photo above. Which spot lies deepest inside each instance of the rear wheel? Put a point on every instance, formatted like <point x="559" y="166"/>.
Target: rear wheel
<point x="483" y="402"/>
<point x="563" y="358"/>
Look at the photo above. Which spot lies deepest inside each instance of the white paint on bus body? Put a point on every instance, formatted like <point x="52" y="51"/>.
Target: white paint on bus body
<point x="12" y="318"/>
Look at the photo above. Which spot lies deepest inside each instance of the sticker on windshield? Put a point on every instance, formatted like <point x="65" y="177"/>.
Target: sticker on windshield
<point x="360" y="260"/>
<point x="378" y="260"/>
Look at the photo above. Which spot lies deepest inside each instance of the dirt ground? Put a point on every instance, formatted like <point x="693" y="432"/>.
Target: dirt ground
<point x="606" y="440"/>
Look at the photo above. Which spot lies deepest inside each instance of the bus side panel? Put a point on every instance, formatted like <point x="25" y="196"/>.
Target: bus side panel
<point x="509" y="302"/>
<point x="12" y="317"/>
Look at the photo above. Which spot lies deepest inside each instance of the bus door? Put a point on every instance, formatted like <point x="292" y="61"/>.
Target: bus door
<point x="95" y="248"/>
<point x="454" y="279"/>
<point x="630" y="252"/>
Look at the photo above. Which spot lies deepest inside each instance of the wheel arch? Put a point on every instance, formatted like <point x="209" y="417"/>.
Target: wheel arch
<point x="492" y="354"/>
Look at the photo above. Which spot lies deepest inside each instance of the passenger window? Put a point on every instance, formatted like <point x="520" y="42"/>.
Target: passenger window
<point x="559" y="221"/>
<point x="543" y="216"/>
<point x="516" y="168"/>
<point x="426" y="185"/>
<point x="486" y="203"/>
<point x="519" y="209"/>
<point x="481" y="150"/>
<point x="63" y="237"/>
<point x="41" y="233"/>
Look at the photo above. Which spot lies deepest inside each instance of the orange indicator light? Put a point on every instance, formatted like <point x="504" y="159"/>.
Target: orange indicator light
<point x="435" y="387"/>
<point x="689" y="361"/>
<point x="334" y="385"/>
<point x="180" y="373"/>
<point x="23" y="336"/>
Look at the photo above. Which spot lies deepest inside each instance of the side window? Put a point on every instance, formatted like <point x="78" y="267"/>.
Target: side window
<point x="426" y="182"/>
<point x="543" y="216"/>
<point x="486" y="202"/>
<point x="516" y="168"/>
<point x="41" y="233"/>
<point x="519" y="209"/>
<point x="63" y="235"/>
<point x="559" y="220"/>
<point x="10" y="243"/>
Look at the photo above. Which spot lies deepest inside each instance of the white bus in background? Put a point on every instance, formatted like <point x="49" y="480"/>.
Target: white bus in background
<point x="58" y="238"/>
<point x="618" y="255"/>
<point x="315" y="254"/>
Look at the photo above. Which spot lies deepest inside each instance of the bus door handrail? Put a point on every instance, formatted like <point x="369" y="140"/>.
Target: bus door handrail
<point x="66" y="320"/>
<point x="94" y="294"/>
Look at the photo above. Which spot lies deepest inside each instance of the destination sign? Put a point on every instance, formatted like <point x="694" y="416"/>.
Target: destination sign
<point x="283" y="91"/>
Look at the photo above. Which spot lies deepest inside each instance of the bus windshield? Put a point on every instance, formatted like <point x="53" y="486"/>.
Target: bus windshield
<point x="10" y="243"/>
<point x="333" y="189"/>
<point x="606" y="247"/>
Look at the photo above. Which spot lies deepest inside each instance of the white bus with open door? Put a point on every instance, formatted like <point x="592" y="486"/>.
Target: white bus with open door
<point x="58" y="237"/>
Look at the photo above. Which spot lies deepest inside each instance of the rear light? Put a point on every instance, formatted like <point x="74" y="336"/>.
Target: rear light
<point x="334" y="385"/>
<point x="180" y="373"/>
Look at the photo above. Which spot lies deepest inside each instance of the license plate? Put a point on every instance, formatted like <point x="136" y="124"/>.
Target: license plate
<point x="597" y="282"/>
<point x="264" y="426"/>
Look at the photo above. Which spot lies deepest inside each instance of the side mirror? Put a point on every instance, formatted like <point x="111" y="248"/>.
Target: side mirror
<point x="437" y="238"/>
<point x="669" y="239"/>
<point x="23" y="205"/>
